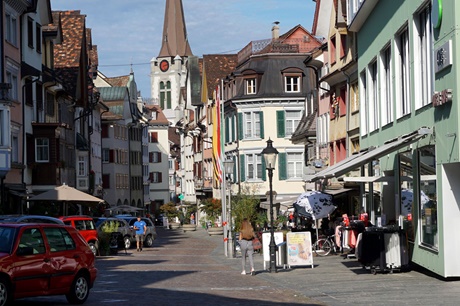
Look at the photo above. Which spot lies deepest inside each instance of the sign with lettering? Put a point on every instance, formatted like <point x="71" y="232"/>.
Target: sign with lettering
<point x="441" y="98"/>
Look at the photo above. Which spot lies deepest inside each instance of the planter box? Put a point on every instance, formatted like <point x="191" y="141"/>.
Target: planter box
<point x="212" y="231"/>
<point x="189" y="227"/>
<point x="174" y="225"/>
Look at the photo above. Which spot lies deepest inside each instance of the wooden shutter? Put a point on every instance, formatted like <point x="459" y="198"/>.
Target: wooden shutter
<point x="264" y="170"/>
<point x="280" y="124"/>
<point x="160" y="177"/>
<point x="242" y="168"/>
<point x="106" y="181"/>
<point x="150" y="157"/>
<point x="111" y="155"/>
<point x="240" y="127"/>
<point x="227" y="129"/>
<point x="282" y="166"/>
<point x="261" y="117"/>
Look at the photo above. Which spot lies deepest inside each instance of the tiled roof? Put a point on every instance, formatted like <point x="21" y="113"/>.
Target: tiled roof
<point x="161" y="118"/>
<point x="118" y="81"/>
<point x="217" y="66"/>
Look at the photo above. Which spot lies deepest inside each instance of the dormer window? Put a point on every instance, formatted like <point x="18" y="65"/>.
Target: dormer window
<point x="292" y="83"/>
<point x="251" y="86"/>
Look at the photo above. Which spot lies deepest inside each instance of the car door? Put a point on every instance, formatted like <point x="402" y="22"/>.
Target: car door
<point x="32" y="269"/>
<point x="64" y="257"/>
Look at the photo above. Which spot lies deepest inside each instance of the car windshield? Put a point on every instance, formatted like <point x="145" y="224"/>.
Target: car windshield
<point x="6" y="239"/>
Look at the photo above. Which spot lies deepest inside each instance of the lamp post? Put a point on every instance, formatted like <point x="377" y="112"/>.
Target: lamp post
<point x="228" y="164"/>
<point x="269" y="154"/>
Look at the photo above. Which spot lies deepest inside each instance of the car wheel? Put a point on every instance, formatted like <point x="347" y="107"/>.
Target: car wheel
<point x="93" y="247"/>
<point x="127" y="242"/>
<point x="79" y="290"/>
<point x="148" y="242"/>
<point x="5" y="292"/>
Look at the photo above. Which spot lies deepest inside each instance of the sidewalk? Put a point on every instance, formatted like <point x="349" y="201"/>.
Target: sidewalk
<point x="335" y="280"/>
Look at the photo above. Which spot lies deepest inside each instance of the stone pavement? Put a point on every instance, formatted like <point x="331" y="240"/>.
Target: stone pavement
<point x="191" y="269"/>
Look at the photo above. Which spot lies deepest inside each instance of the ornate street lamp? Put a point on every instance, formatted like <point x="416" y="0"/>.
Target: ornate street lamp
<point x="269" y="154"/>
<point x="228" y="164"/>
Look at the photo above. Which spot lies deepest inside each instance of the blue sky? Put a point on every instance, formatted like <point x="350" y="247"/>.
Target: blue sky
<point x="129" y="32"/>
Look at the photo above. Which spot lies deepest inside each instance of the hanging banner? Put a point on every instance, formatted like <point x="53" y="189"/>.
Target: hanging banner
<point x="299" y="250"/>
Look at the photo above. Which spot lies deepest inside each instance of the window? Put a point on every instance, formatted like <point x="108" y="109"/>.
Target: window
<point x="42" y="150"/>
<point x="254" y="166"/>
<point x="50" y="108"/>
<point x="343" y="45"/>
<point x="423" y="70"/>
<point x="81" y="166"/>
<point x="30" y="32"/>
<point x="165" y="95"/>
<point x="12" y="78"/>
<point x="153" y="137"/>
<point x="295" y="165"/>
<point x="38" y="37"/>
<point x="332" y="50"/>
<point x="373" y="98"/>
<point x="403" y="73"/>
<point x="363" y="106"/>
<point x="106" y="181"/>
<point x="252" y="124"/>
<point x="355" y="147"/>
<point x="32" y="238"/>
<point x="105" y="155"/>
<point x="11" y="29"/>
<point x="59" y="239"/>
<point x="155" y="177"/>
<point x="14" y="148"/>
<point x="155" y="157"/>
<point x="4" y="126"/>
<point x="386" y="92"/>
<point x="292" y="121"/>
<point x="251" y="86"/>
<point x="292" y="83"/>
<point x="354" y="100"/>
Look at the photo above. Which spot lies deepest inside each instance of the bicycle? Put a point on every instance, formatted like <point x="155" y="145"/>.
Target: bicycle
<point x="323" y="246"/>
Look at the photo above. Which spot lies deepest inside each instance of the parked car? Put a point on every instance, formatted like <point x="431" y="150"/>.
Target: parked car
<point x="151" y="233"/>
<point x="29" y="219"/>
<point x="123" y="228"/>
<point x="31" y="262"/>
<point x="87" y="228"/>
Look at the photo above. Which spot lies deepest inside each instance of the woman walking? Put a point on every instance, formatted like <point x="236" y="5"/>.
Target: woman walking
<point x="247" y="249"/>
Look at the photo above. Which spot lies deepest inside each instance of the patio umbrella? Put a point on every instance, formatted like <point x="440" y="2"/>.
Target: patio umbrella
<point x="407" y="197"/>
<point x="124" y="208"/>
<point x="66" y="194"/>
<point x="315" y="205"/>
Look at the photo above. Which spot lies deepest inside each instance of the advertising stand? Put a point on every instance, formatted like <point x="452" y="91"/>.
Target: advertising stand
<point x="299" y="250"/>
<point x="279" y="241"/>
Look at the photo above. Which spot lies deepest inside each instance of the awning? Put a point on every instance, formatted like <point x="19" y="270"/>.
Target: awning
<point x="284" y="202"/>
<point x="362" y="158"/>
<point x="337" y="191"/>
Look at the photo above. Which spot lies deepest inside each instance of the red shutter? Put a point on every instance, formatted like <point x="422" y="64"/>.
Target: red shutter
<point x="105" y="131"/>
<point x="106" y="181"/>
<point x="151" y="177"/>
<point x="155" y="137"/>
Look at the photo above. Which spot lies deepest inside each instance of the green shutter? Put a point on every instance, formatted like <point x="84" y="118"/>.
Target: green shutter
<point x="242" y="169"/>
<point x="240" y="126"/>
<point x="281" y="124"/>
<point x="227" y="130"/>
<point x="261" y="125"/>
<point x="233" y="128"/>
<point x="264" y="170"/>
<point x="282" y="169"/>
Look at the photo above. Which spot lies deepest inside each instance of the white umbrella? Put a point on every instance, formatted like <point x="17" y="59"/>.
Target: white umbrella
<point x="407" y="197"/>
<point x="314" y="204"/>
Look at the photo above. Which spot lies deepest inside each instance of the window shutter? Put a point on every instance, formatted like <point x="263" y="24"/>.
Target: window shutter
<point x="240" y="126"/>
<point x="105" y="131"/>
<point x="150" y="157"/>
<point x="159" y="157"/>
<point x="261" y="116"/>
<point x="151" y="177"/>
<point x="242" y="168"/>
<point x="227" y="130"/>
<point x="111" y="156"/>
<point x="106" y="181"/>
<point x="280" y="124"/>
<point x="160" y="177"/>
<point x="282" y="170"/>
<point x="233" y="128"/>
<point x="264" y="170"/>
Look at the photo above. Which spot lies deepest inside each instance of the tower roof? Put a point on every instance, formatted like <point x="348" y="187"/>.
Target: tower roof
<point x="174" y="39"/>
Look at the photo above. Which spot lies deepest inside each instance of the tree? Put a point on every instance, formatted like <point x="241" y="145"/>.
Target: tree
<point x="212" y="208"/>
<point x="170" y="210"/>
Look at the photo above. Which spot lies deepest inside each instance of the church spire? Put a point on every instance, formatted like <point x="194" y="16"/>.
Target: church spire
<point x="174" y="39"/>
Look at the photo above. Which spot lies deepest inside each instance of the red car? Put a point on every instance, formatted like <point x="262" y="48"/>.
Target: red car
<point x="44" y="259"/>
<point x="87" y="228"/>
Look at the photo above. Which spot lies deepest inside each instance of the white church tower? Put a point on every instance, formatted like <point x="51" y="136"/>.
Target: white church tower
<point x="168" y="71"/>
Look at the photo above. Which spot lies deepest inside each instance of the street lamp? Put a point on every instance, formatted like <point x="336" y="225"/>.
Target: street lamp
<point x="228" y="164"/>
<point x="269" y="154"/>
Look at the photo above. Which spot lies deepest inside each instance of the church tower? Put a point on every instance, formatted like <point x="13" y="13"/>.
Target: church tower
<point x="168" y="71"/>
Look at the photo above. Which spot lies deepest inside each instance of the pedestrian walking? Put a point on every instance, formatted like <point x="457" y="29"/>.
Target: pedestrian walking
<point x="140" y="227"/>
<point x="247" y="249"/>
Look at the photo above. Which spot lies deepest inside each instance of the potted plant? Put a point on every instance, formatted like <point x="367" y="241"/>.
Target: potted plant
<point x="188" y="214"/>
<point x="171" y="212"/>
<point x="213" y="209"/>
<point x="104" y="237"/>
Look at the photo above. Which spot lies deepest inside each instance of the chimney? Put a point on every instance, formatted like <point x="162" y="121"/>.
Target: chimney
<point x="276" y="30"/>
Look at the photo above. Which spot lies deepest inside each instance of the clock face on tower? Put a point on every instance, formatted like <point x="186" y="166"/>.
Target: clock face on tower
<point x="164" y="65"/>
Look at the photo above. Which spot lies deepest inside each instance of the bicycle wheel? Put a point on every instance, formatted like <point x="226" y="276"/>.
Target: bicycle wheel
<point x="322" y="247"/>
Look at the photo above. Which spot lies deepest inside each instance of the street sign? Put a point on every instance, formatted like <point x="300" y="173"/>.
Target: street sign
<point x="181" y="196"/>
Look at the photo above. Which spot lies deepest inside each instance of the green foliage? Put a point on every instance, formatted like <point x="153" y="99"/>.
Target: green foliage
<point x="187" y="210"/>
<point x="244" y="206"/>
<point x="212" y="208"/>
<point x="104" y="237"/>
<point x="170" y="210"/>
